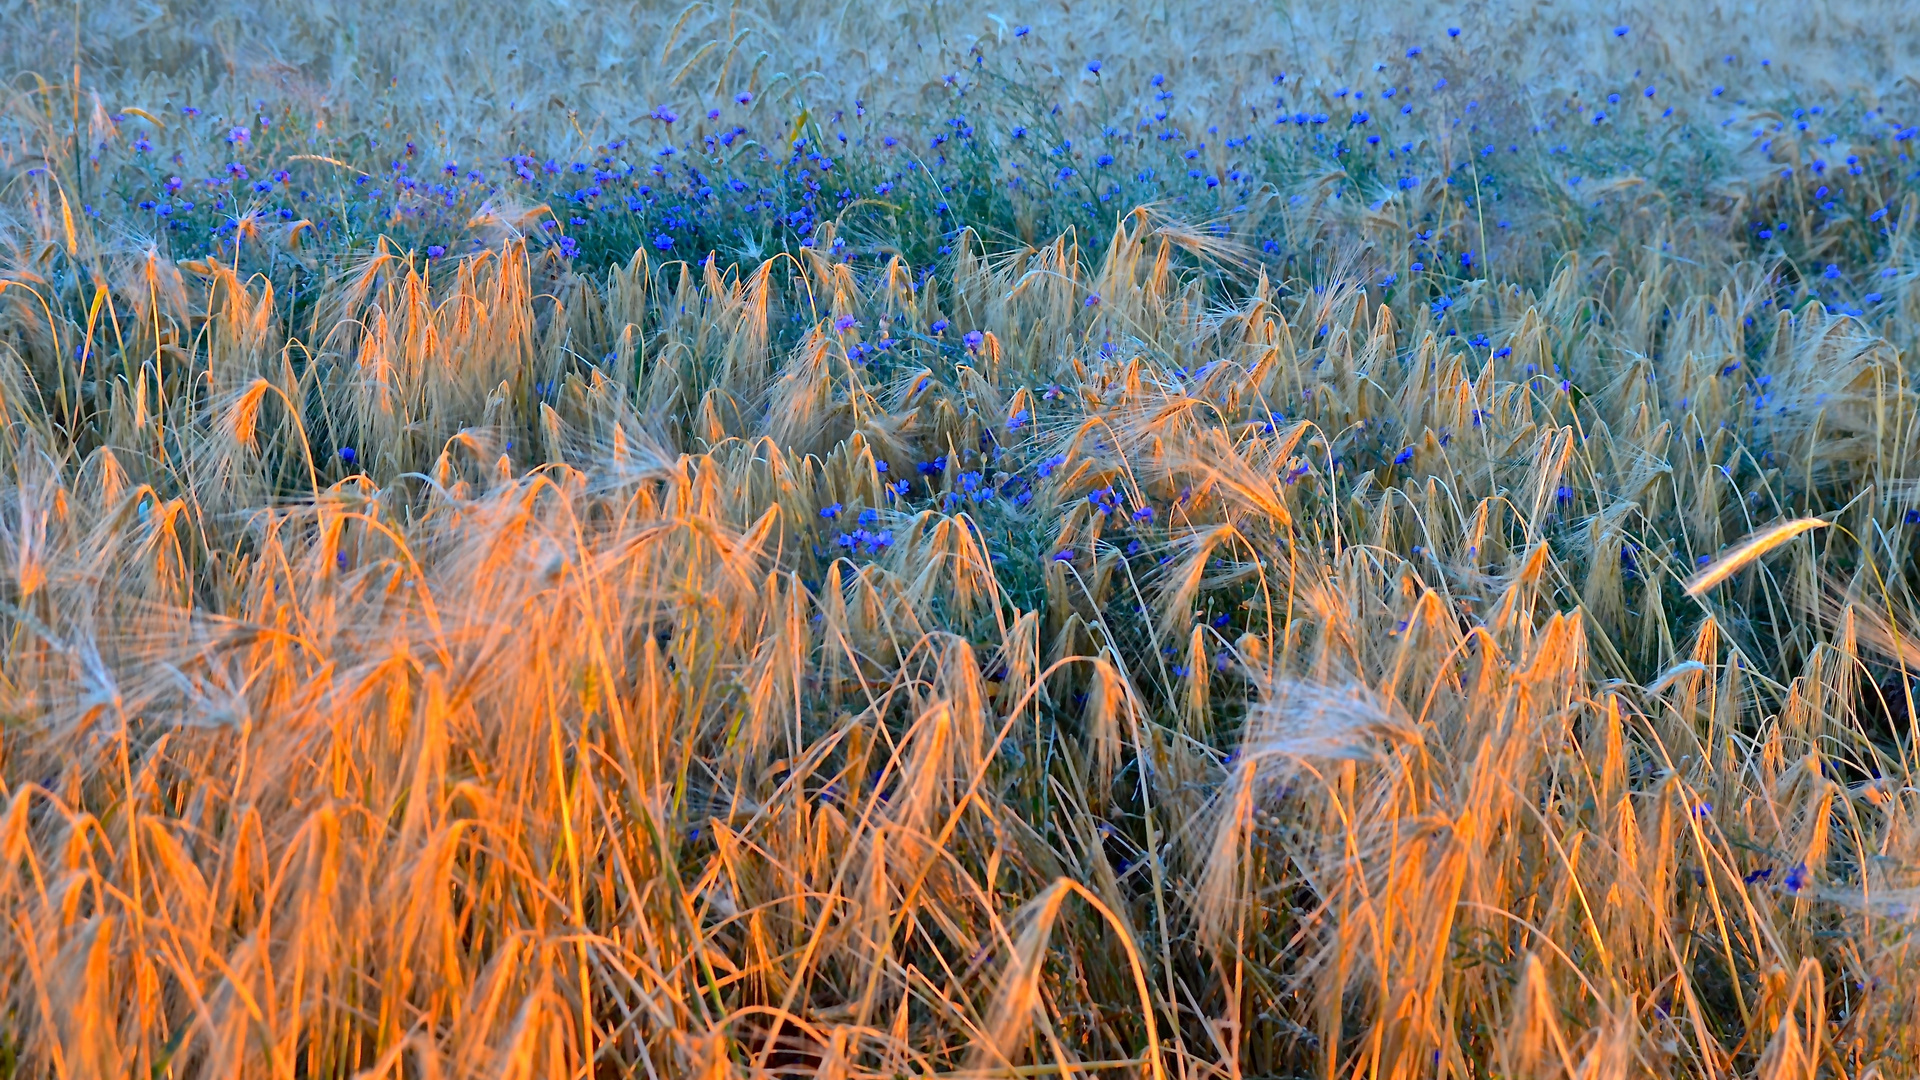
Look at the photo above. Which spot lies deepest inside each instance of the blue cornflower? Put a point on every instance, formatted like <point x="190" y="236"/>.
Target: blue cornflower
<point x="939" y="325"/>
<point x="1405" y="455"/>
<point x="346" y="455"/>
<point x="845" y="323"/>
<point x="1093" y="67"/>
<point x="830" y="511"/>
<point x="1620" y="31"/>
<point x="1063" y="555"/>
<point x="975" y="340"/>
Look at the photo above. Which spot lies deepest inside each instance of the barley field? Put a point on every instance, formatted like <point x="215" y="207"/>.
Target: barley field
<point x="897" y="539"/>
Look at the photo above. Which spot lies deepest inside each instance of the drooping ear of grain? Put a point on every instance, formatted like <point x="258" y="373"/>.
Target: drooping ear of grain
<point x="1748" y="550"/>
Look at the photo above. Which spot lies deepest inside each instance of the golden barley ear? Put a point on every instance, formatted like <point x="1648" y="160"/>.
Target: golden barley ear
<point x="1748" y="550"/>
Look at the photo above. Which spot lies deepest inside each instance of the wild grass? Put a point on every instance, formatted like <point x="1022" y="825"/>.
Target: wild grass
<point x="1324" y="614"/>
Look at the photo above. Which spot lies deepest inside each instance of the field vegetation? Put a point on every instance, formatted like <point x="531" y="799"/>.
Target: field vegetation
<point x="865" y="540"/>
